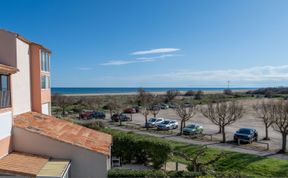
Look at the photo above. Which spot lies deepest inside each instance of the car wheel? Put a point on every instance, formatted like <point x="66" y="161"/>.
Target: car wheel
<point x="256" y="138"/>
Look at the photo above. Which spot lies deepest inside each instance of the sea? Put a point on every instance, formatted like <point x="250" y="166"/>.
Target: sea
<point x="70" y="90"/>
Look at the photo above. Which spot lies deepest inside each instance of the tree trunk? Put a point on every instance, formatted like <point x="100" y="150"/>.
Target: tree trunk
<point x="284" y="142"/>
<point x="146" y="123"/>
<point x="63" y="111"/>
<point x="110" y="113"/>
<point x="266" y="132"/>
<point x="223" y="134"/>
<point x="131" y="116"/>
<point x="155" y="115"/>
<point x="181" y="127"/>
<point x="220" y="128"/>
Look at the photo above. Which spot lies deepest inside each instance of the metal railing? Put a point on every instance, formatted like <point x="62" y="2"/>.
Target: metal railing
<point x="5" y="99"/>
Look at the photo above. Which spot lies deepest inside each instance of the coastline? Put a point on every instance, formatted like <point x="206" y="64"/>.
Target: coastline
<point x="155" y="93"/>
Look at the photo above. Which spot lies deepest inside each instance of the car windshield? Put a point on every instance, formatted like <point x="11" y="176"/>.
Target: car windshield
<point x="191" y="126"/>
<point x="152" y="120"/>
<point x="159" y="120"/>
<point x="166" y="122"/>
<point x="245" y="131"/>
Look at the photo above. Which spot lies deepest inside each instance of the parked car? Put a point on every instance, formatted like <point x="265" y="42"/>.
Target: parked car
<point x="167" y="125"/>
<point x="192" y="129"/>
<point x="121" y="116"/>
<point x="137" y="109"/>
<point x="86" y="115"/>
<point x="172" y="106"/>
<point x="91" y="115"/>
<point x="130" y="110"/>
<point x="99" y="115"/>
<point x="246" y="134"/>
<point x="153" y="122"/>
<point x="164" y="106"/>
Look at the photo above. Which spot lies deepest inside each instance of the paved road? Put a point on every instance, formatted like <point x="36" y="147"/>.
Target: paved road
<point x="211" y="144"/>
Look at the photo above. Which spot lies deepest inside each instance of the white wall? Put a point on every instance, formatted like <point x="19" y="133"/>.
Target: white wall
<point x="84" y="163"/>
<point x="5" y="124"/>
<point x="21" y="93"/>
<point x="45" y="108"/>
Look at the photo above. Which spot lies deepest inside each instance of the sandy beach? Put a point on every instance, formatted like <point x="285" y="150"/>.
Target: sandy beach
<point x="155" y="93"/>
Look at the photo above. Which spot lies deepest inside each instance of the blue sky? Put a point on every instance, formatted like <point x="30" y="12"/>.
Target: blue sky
<point x="157" y="43"/>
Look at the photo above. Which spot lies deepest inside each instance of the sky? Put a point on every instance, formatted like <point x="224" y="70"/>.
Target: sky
<point x="157" y="43"/>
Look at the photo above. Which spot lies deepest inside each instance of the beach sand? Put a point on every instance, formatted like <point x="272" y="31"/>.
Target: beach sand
<point x="155" y="93"/>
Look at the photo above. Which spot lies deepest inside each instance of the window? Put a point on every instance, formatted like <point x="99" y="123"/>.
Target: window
<point x="45" y="61"/>
<point x="45" y="82"/>
<point x="4" y="91"/>
<point x="4" y="82"/>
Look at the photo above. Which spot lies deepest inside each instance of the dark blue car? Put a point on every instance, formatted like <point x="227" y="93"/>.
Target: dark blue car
<point x="246" y="134"/>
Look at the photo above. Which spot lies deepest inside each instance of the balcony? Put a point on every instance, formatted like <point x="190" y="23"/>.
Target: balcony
<point x="5" y="99"/>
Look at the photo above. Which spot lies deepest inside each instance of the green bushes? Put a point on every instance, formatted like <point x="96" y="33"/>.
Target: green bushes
<point x="129" y="173"/>
<point x="140" y="149"/>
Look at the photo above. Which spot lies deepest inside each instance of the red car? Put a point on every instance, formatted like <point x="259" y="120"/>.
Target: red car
<point x="130" y="110"/>
<point x="86" y="115"/>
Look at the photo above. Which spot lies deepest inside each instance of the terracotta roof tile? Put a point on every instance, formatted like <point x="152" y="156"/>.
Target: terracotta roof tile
<point x="64" y="131"/>
<point x="22" y="164"/>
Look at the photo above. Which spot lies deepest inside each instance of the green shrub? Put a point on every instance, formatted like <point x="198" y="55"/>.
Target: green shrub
<point x="175" y="174"/>
<point x="131" y="147"/>
<point x="130" y="173"/>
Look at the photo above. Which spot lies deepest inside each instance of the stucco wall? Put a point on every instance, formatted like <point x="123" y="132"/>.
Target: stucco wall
<point x="7" y="48"/>
<point x="21" y="93"/>
<point x="84" y="163"/>
<point x="5" y="132"/>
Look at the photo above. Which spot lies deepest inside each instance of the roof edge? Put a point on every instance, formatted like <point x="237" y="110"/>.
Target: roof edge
<point x="22" y="38"/>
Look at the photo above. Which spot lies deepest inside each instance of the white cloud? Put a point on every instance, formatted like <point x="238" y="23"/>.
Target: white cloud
<point x="155" y="51"/>
<point x="139" y="60"/>
<point x="262" y="73"/>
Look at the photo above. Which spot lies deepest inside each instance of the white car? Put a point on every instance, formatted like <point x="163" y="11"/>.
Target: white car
<point x="168" y="125"/>
<point x="154" y="122"/>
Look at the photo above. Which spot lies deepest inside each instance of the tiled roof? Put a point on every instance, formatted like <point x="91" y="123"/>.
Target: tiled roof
<point x="64" y="131"/>
<point x="22" y="164"/>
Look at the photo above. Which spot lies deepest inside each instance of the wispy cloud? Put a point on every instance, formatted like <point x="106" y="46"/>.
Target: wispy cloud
<point x="85" y="68"/>
<point x="262" y="73"/>
<point x="139" y="60"/>
<point x="156" y="51"/>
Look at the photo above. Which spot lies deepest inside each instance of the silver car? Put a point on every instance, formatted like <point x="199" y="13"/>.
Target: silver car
<point x="168" y="125"/>
<point x="154" y="122"/>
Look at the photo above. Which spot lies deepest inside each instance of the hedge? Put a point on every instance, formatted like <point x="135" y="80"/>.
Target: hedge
<point x="141" y="149"/>
<point x="119" y="173"/>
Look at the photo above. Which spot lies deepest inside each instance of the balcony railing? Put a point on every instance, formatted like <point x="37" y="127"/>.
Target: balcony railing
<point x="5" y="99"/>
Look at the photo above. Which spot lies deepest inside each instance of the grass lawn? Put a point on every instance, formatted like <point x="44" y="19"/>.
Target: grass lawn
<point x="249" y="165"/>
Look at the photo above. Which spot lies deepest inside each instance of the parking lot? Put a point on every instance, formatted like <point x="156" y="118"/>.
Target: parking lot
<point x="249" y="120"/>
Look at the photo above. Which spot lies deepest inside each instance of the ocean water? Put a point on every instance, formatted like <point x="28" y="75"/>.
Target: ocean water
<point x="129" y="90"/>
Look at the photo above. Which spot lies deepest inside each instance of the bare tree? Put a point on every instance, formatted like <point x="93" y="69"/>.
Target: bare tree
<point x="145" y="99"/>
<point x="199" y="95"/>
<point x="266" y="111"/>
<point x="113" y="107"/>
<point x="280" y="123"/>
<point x="185" y="113"/>
<point x="154" y="111"/>
<point x="197" y="163"/>
<point x="223" y="114"/>
<point x="90" y="103"/>
<point x="170" y="95"/>
<point x="61" y="101"/>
